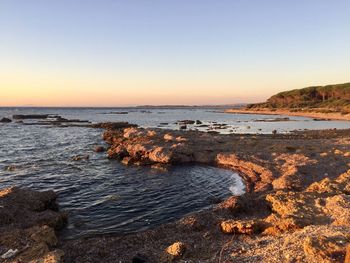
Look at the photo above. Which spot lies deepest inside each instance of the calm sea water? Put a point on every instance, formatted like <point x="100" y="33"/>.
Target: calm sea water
<point x="104" y="196"/>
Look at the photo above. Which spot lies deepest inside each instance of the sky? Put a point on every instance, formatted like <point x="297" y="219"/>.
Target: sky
<point x="136" y="52"/>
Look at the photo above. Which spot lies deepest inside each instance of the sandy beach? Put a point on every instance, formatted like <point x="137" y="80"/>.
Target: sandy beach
<point x="311" y="114"/>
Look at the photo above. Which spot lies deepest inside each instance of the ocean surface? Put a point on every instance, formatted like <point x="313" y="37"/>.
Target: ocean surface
<point x="103" y="196"/>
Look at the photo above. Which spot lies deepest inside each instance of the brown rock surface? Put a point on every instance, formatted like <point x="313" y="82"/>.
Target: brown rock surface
<point x="296" y="208"/>
<point x="28" y="220"/>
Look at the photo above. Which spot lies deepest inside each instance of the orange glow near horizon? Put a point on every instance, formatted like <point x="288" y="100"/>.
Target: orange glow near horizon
<point x="66" y="87"/>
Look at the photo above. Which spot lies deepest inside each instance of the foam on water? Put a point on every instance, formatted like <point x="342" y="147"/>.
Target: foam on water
<point x="238" y="187"/>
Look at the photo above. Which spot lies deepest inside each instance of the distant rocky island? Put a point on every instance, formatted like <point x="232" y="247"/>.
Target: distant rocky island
<point x="330" y="101"/>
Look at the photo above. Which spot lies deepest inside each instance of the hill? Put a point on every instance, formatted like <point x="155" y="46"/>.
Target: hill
<point x="329" y="98"/>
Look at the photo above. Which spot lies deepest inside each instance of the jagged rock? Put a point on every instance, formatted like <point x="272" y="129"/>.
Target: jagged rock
<point x="324" y="202"/>
<point x="132" y="133"/>
<point x="239" y="227"/>
<point x="28" y="220"/>
<point x="99" y="149"/>
<point x="24" y="208"/>
<point x="119" y="152"/>
<point x="177" y="249"/>
<point x="231" y="204"/>
<point x="160" y="155"/>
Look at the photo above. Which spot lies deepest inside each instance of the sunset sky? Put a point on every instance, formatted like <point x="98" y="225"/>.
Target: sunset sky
<point x="118" y="53"/>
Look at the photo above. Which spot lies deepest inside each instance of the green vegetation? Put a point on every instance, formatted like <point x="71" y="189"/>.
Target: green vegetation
<point x="330" y="98"/>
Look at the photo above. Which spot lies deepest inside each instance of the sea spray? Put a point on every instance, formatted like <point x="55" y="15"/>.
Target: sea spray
<point x="238" y="187"/>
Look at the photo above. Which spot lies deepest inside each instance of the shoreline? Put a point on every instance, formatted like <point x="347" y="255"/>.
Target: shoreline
<point x="243" y="228"/>
<point x="315" y="115"/>
<point x="277" y="219"/>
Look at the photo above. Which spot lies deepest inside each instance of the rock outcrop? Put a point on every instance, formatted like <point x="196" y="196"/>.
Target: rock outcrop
<point x="28" y="220"/>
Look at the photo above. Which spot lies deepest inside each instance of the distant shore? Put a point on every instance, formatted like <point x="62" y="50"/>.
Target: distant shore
<point x="311" y="114"/>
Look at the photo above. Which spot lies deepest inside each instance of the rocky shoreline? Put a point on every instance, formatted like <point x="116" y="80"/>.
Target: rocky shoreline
<point x="296" y="207"/>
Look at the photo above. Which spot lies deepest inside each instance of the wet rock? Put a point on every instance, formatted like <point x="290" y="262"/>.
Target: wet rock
<point x="118" y="152"/>
<point x="28" y="220"/>
<point x="192" y="223"/>
<point x="99" y="149"/>
<point x="198" y="122"/>
<point x="160" y="167"/>
<point x="176" y="250"/>
<point x="231" y="204"/>
<point x="24" y="208"/>
<point x="185" y="122"/>
<point x="127" y="160"/>
<point x="183" y="127"/>
<point x="239" y="227"/>
<point x="113" y="125"/>
<point x="30" y="116"/>
<point x="139" y="258"/>
<point x="118" y="112"/>
<point x="10" y="168"/>
<point x="5" y="120"/>
<point x="160" y="155"/>
<point x="274" y="120"/>
<point x="81" y="157"/>
<point x="44" y="234"/>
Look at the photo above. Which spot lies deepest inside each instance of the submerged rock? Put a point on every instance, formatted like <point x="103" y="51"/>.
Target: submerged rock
<point x="113" y="125"/>
<point x="81" y="157"/>
<point x="30" y="116"/>
<point x="5" y="120"/>
<point x="99" y="149"/>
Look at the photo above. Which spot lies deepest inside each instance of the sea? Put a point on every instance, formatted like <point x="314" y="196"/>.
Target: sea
<point x="103" y="196"/>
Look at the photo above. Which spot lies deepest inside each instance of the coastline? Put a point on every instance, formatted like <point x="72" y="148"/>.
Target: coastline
<point x="283" y="175"/>
<point x="315" y="115"/>
<point x="287" y="176"/>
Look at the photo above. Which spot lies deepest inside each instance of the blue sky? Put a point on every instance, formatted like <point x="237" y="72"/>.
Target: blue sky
<point x="106" y="53"/>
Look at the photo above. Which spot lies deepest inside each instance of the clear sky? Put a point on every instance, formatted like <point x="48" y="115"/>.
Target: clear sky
<point x="131" y="52"/>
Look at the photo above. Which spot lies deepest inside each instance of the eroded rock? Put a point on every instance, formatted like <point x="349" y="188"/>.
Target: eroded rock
<point x="28" y="220"/>
<point x="240" y="227"/>
<point x="177" y="249"/>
